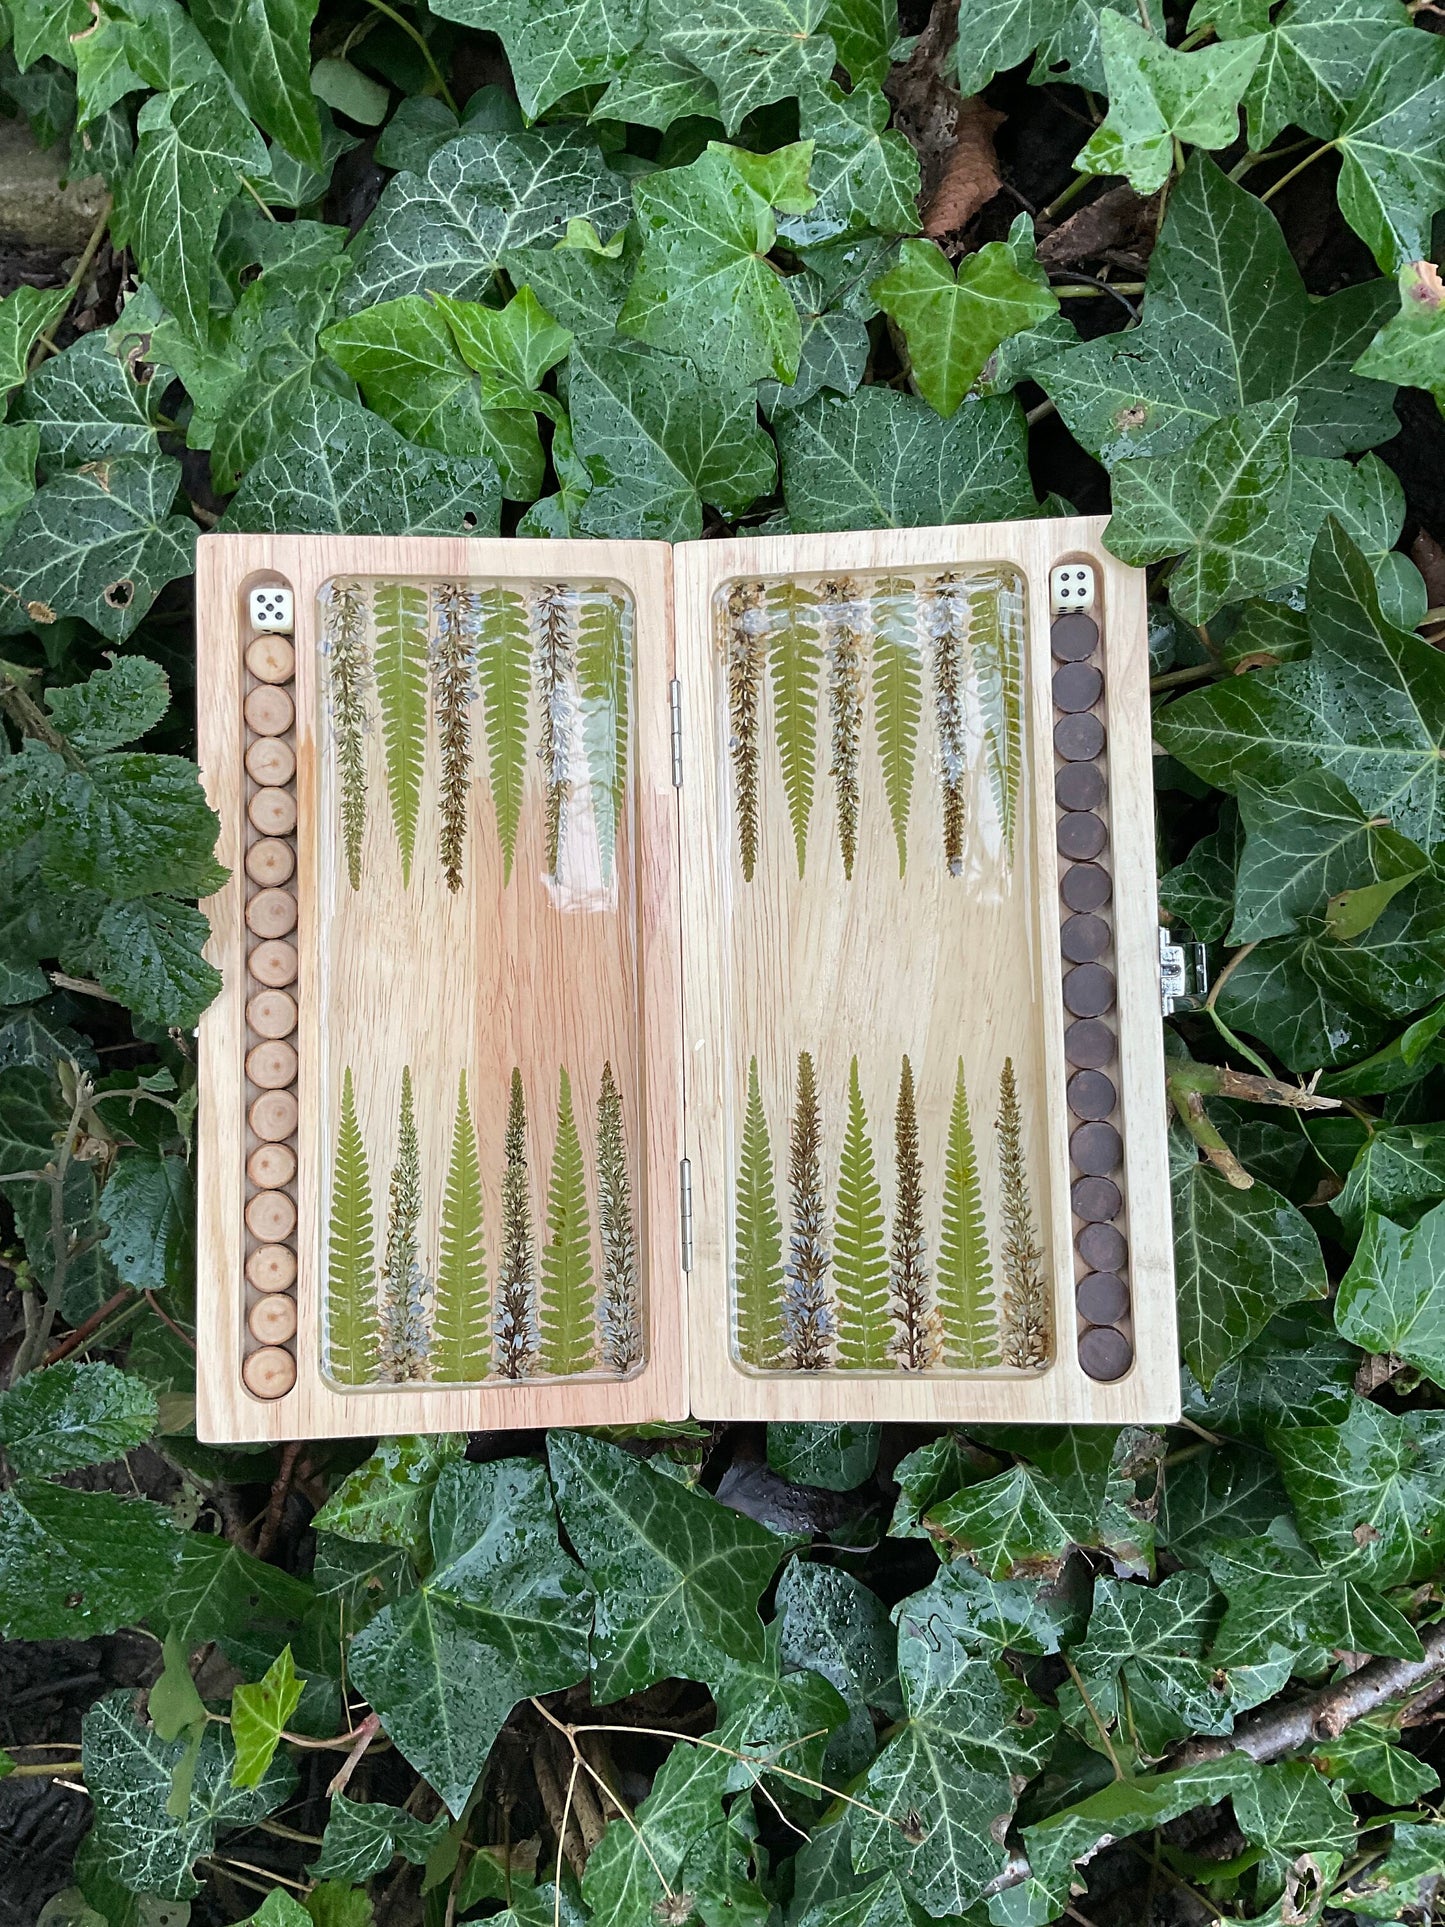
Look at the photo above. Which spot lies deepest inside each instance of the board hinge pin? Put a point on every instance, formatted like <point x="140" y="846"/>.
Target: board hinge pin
<point x="674" y="703"/>
<point x="1183" y="974"/>
<point x="684" y="1207"/>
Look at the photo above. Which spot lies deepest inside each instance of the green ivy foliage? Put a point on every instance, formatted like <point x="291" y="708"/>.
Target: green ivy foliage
<point x="631" y="268"/>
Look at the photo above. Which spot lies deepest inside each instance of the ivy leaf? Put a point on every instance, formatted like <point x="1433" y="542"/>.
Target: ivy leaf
<point x="1368" y="1492"/>
<point x="1282" y="1598"/>
<point x="339" y="469"/>
<point x="147" y="952"/>
<point x="220" y="1592"/>
<point x="704" y="286"/>
<point x="677" y="1575"/>
<point x="99" y="543"/>
<point x="192" y="148"/>
<point x="1389" y="1300"/>
<point x="1239" y="1256"/>
<point x="266" y="46"/>
<point x="113" y="706"/>
<point x="834" y="1458"/>
<point x="19" y="450"/>
<point x="1304" y="843"/>
<point x="87" y="405"/>
<point x="504" y="1613"/>
<point x="556" y="48"/>
<point x="1226" y="323"/>
<point x="831" y="1624"/>
<point x="1392" y="149"/>
<point x="952" y="324"/>
<point x="128" y="1773"/>
<point x="386" y="1500"/>
<point x="1398" y="1171"/>
<point x="753" y="51"/>
<point x="72" y="1415"/>
<point x="511" y="348"/>
<point x="25" y="314"/>
<point x="1410" y="348"/>
<point x="1289" y="1809"/>
<point x="1315" y="59"/>
<point x="864" y="174"/>
<point x="943" y="1787"/>
<point x="1405" y="1881"/>
<point x="362" y="1838"/>
<point x="882" y="460"/>
<point x="482" y="194"/>
<point x="655" y="89"/>
<point x="148" y="1205"/>
<point x="1363" y="1760"/>
<point x="658" y="440"/>
<point x="1368" y="706"/>
<point x="1297" y="1372"/>
<point x="634" y="1868"/>
<point x="1158" y="95"/>
<point x="79" y="1564"/>
<point x="259" y="1716"/>
<point x="580" y="282"/>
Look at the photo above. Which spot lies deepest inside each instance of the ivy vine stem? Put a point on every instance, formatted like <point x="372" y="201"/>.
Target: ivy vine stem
<point x="414" y="33"/>
<point x="1299" y="168"/>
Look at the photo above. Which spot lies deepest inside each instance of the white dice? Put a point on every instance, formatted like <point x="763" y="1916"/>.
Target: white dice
<point x="1071" y="587"/>
<point x="273" y="609"/>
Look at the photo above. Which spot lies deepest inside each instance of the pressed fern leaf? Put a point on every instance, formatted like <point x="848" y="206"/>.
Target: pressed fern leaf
<point x="504" y="670"/>
<point x="757" y="1241"/>
<point x="860" y="1259"/>
<point x="604" y="656"/>
<point x="1027" y="1325"/>
<point x="995" y="645"/>
<point x="620" y="1313"/>
<point x="796" y="661"/>
<point x="919" y="1338"/>
<point x="743" y="646"/>
<point x="343" y="634"/>
<point x="406" y="1291"/>
<point x="453" y="687"/>
<point x="897" y="699"/>
<point x="553" y="615"/>
<point x="808" y="1322"/>
<point x="351" y="1332"/>
<point x="567" y="1314"/>
<point x="948" y="630"/>
<point x="462" y="1341"/>
<point x="965" y="1275"/>
<point x="516" y="1323"/>
<point x="843" y="616"/>
<point x="399" y="616"/>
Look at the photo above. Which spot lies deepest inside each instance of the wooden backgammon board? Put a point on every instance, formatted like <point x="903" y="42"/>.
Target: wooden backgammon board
<point x="720" y="978"/>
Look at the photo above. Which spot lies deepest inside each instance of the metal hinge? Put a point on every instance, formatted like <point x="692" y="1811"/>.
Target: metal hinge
<point x="1183" y="974"/>
<point x="674" y="703"/>
<point x="684" y="1203"/>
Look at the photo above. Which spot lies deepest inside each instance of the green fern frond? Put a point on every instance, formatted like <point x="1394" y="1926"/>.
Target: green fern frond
<point x="808" y="1321"/>
<point x="965" y="1275"/>
<point x="462" y="1341"/>
<point x="897" y="698"/>
<point x="995" y="643"/>
<point x="406" y="1291"/>
<point x="743" y="637"/>
<point x="553" y="612"/>
<point x="919" y="1337"/>
<point x="351" y="1330"/>
<point x="453" y="687"/>
<point x="504" y="670"/>
<point x="399" y="615"/>
<point x="947" y="618"/>
<point x="1027" y="1323"/>
<point x="860" y="1260"/>
<point x="604" y="664"/>
<point x="348" y="661"/>
<point x="516" y="1323"/>
<point x="842" y="615"/>
<point x="757" y="1241"/>
<point x="620" y="1313"/>
<point x="567" y="1315"/>
<point x="796" y="663"/>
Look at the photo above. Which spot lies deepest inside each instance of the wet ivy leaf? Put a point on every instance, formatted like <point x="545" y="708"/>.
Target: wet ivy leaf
<point x="1210" y="1503"/>
<point x="25" y="314"/>
<point x="882" y="460"/>
<point x="259" y="1716"/>
<point x="556" y="48"/>
<point x="753" y="51"/>
<point x="1297" y="1372"/>
<point x="992" y="1616"/>
<point x="99" y="543"/>
<point x="338" y="469"/>
<point x="633" y="1869"/>
<point x="1239" y="1257"/>
<point x="128" y="1774"/>
<point x="1368" y="1492"/>
<point x="1226" y="324"/>
<point x="1406" y="1880"/>
<point x="1410" y="348"/>
<point x="1289" y="1809"/>
<point x="581" y="282"/>
<point x="931" y="1473"/>
<point x="864" y="173"/>
<point x="838" y="1457"/>
<point x="655" y="89"/>
<point x="218" y="1591"/>
<point x="265" y="45"/>
<point x="504" y="1613"/>
<point x="362" y="1838"/>
<point x="482" y="194"/>
<point x="952" y="324"/>
<point x="74" y="1564"/>
<point x="1363" y="1760"/>
<point x="1392" y="139"/>
<point x="657" y="440"/>
<point x="72" y="1415"/>
<point x="943" y="1786"/>
<point x="1389" y="1299"/>
<point x="1158" y="95"/>
<point x="87" y="405"/>
<point x="677" y="1575"/>
<point x="1315" y="59"/>
<point x="1282" y="1598"/>
<point x="387" y="1499"/>
<point x="831" y="1624"/>
<point x="1399" y="1171"/>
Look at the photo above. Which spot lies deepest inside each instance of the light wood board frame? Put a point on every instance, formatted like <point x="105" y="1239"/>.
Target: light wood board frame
<point x="689" y="1006"/>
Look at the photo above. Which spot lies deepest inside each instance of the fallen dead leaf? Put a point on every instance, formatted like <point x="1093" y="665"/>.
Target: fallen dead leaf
<point x="1118" y="222"/>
